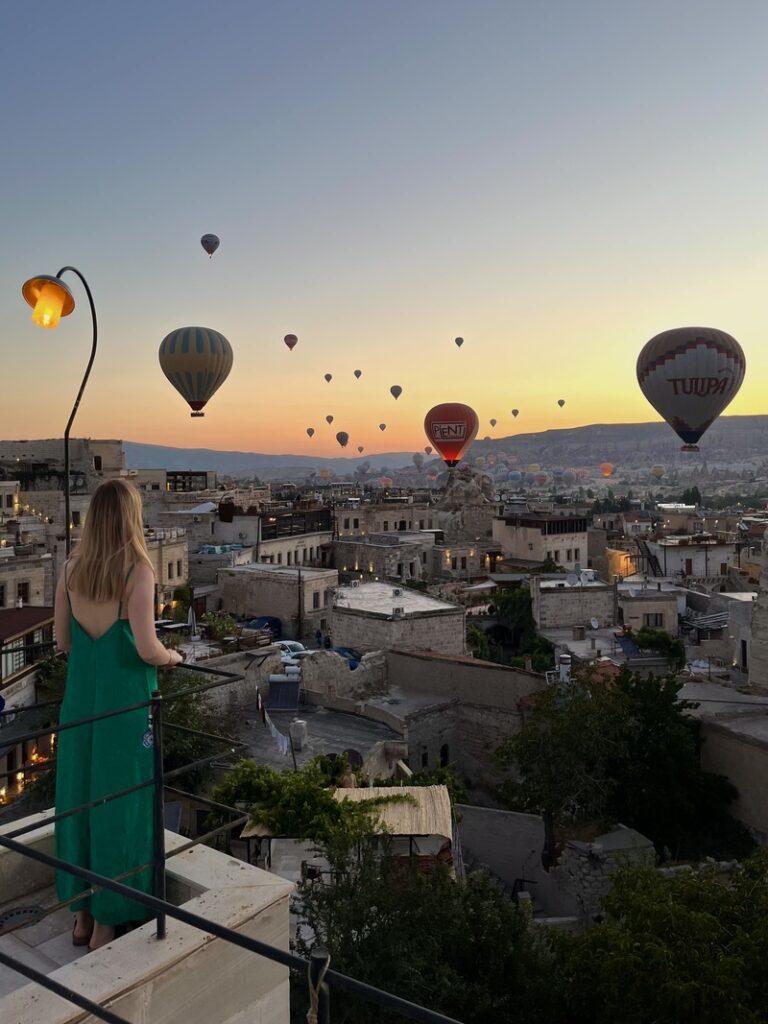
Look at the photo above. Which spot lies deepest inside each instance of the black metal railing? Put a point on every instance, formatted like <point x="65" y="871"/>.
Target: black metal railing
<point x="321" y="979"/>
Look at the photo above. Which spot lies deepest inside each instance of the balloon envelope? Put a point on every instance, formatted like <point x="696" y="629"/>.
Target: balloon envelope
<point x="358" y="374"/>
<point x="310" y="431"/>
<point x="428" y="449"/>
<point x="328" y="377"/>
<point x="458" y="342"/>
<point x="515" y="413"/>
<point x="210" y="243"/>
<point x="291" y="341"/>
<point x="382" y="426"/>
<point x="329" y="420"/>
<point x="658" y="471"/>
<point x="689" y="375"/>
<point x="343" y="438"/>
<point x="197" y="361"/>
<point x="493" y="423"/>
<point x="395" y="391"/>
<point x="360" y="448"/>
<point x="606" y="469"/>
<point x="451" y="427"/>
<point x="561" y="402"/>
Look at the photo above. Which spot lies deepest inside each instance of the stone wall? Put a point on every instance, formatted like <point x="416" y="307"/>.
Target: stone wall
<point x="555" y="607"/>
<point x="738" y="749"/>
<point x="467" y="679"/>
<point x="326" y="675"/>
<point x="442" y="631"/>
<point x="758" y="647"/>
<point x="35" y="570"/>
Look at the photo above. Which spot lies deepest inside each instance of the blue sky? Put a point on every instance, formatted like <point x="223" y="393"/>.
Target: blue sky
<point x="555" y="182"/>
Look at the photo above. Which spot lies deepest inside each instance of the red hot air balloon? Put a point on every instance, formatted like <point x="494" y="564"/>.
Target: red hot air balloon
<point x="291" y="341"/>
<point x="210" y="243"/>
<point x="606" y="469"/>
<point x="690" y="375"/>
<point x="451" y="427"/>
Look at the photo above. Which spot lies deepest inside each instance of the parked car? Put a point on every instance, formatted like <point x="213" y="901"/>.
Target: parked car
<point x="292" y="651"/>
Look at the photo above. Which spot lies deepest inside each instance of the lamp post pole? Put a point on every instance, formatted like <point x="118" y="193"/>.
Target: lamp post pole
<point x="75" y="407"/>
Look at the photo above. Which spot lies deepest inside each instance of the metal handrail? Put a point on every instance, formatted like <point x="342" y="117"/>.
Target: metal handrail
<point x="316" y="967"/>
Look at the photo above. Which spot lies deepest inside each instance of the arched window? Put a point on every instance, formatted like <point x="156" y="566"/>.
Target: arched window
<point x="444" y="758"/>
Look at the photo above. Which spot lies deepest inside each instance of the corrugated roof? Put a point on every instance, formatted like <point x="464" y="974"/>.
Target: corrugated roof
<point x="429" y="815"/>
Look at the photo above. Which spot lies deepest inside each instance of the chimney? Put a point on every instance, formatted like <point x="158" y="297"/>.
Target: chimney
<point x="564" y="668"/>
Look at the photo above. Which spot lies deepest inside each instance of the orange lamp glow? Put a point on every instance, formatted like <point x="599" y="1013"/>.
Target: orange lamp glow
<point x="49" y="298"/>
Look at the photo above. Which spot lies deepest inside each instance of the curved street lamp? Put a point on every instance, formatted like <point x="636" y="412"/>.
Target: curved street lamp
<point x="50" y="300"/>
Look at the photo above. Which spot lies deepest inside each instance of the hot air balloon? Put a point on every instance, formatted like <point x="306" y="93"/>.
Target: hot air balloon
<point x="197" y="361"/>
<point x="658" y="471"/>
<point x="689" y="375"/>
<point x="386" y="481"/>
<point x="343" y="438"/>
<point x="451" y="427"/>
<point x="310" y="431"/>
<point x="515" y="413"/>
<point x="493" y="423"/>
<point x="328" y="377"/>
<point x="480" y="461"/>
<point x="561" y="402"/>
<point x="418" y="461"/>
<point x="291" y="341"/>
<point x="458" y="342"/>
<point x="360" y="448"/>
<point x="534" y="468"/>
<point x="491" y="461"/>
<point x="395" y="391"/>
<point x="515" y="476"/>
<point x="570" y="476"/>
<point x="428" y="449"/>
<point x="329" y="420"/>
<point x="606" y="469"/>
<point x="325" y="474"/>
<point x="210" y="243"/>
<point x="382" y="426"/>
<point x="432" y="475"/>
<point x="540" y="479"/>
<point x="358" y="374"/>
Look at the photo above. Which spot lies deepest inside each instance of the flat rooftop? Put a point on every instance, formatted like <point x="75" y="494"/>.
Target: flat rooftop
<point x="563" y="584"/>
<point x="381" y="598"/>
<point x="281" y="572"/>
<point x="328" y="732"/>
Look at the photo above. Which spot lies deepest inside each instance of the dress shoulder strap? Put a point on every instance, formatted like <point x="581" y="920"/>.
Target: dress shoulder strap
<point x="122" y="596"/>
<point x="66" y="586"/>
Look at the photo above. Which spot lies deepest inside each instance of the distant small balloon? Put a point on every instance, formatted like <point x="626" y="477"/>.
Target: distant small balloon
<point x="291" y="341"/>
<point x="343" y="438"/>
<point x="395" y="391"/>
<point x="382" y="426"/>
<point x="210" y="243"/>
<point x="310" y="431"/>
<point x="515" y="413"/>
<point x="329" y="377"/>
<point x="360" y="448"/>
<point x="358" y="374"/>
<point x="458" y="342"/>
<point x="561" y="402"/>
<point x="329" y="420"/>
<point x="428" y="449"/>
<point x="493" y="423"/>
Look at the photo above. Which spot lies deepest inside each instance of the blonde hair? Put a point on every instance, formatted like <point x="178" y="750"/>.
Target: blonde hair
<point x="112" y="542"/>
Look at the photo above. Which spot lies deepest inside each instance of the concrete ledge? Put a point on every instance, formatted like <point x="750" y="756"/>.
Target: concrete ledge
<point x="188" y="976"/>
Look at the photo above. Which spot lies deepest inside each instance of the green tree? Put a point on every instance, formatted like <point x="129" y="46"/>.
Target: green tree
<point x="514" y="609"/>
<point x="684" y="950"/>
<point x="219" y="625"/>
<point x="604" y="752"/>
<point x="478" y="642"/>
<point x="663" y="643"/>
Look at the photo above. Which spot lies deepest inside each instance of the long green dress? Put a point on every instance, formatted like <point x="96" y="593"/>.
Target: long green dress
<point x="105" y="674"/>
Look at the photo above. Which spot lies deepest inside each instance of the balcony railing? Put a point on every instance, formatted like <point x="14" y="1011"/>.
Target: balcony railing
<point x="322" y="980"/>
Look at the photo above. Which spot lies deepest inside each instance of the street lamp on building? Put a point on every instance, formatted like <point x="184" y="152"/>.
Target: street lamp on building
<point x="50" y="300"/>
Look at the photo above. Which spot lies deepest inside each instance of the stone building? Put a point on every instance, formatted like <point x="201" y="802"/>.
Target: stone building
<point x="26" y="577"/>
<point x="300" y="597"/>
<point x="649" y="607"/>
<point x="378" y="616"/>
<point x="170" y="560"/>
<point x="541" y="536"/>
<point x="388" y="517"/>
<point x="758" y="642"/>
<point x="206" y="563"/>
<point x="698" y="555"/>
<point x="571" y="602"/>
<point x="396" y="556"/>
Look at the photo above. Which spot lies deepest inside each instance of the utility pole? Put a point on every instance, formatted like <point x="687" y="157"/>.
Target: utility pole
<point x="299" y="616"/>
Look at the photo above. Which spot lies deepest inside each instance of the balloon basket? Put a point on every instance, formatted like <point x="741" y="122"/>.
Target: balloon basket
<point x="193" y="414"/>
<point x="690" y="448"/>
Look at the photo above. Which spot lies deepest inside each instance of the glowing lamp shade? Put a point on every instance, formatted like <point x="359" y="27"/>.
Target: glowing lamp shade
<point x="49" y="298"/>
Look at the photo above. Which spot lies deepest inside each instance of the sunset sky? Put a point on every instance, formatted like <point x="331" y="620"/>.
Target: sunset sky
<point x="555" y="182"/>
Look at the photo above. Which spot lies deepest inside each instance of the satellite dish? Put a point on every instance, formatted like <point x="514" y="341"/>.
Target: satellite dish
<point x="571" y="579"/>
<point x="631" y="592"/>
<point x="593" y="622"/>
<point x="584" y="577"/>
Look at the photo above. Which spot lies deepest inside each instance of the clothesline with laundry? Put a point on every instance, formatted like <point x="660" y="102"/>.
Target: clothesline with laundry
<point x="283" y="741"/>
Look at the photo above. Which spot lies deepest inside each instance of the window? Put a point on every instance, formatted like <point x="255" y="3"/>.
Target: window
<point x="289" y="557"/>
<point x="178" y="568"/>
<point x="411" y="568"/>
<point x="324" y="625"/>
<point x="463" y="561"/>
<point x="97" y="463"/>
<point x="421" y="524"/>
<point x="557" y="556"/>
<point x="2" y="595"/>
<point x="213" y="528"/>
<point x="653" y="619"/>
<point x="355" y="524"/>
<point x="325" y="598"/>
<point x="723" y="568"/>
<point x="155" y="487"/>
<point x="76" y="517"/>
<point x="549" y="556"/>
<point x="430" y="524"/>
<point x="9" y="501"/>
<point x="444" y="758"/>
<point x="399" y="569"/>
<point x="424" y="758"/>
<point x="22" y="591"/>
<point x="530" y="547"/>
<point x="279" y="557"/>
<point x="386" y="525"/>
<point x="423" y="557"/>
<point x="454" y="562"/>
<point x="170" y="570"/>
<point x="346" y="523"/>
<point x="316" y="599"/>
<point x="402" y="525"/>
<point x="576" y="554"/>
<point x="569" y="555"/>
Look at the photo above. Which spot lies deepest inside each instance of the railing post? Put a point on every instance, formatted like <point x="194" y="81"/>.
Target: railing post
<point x="158" y="855"/>
<point x="321" y="1006"/>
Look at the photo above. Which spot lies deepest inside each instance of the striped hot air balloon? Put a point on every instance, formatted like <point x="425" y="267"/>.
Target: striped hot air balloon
<point x="197" y="361"/>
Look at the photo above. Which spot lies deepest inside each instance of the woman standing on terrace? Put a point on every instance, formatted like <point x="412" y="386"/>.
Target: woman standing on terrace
<point x="105" y="603"/>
